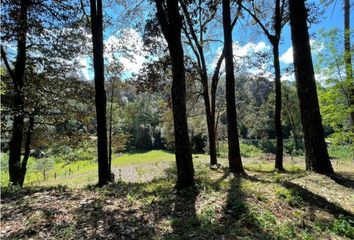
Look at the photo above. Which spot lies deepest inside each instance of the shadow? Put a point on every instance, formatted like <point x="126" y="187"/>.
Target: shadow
<point x="215" y="185"/>
<point x="342" y="180"/>
<point x="316" y="201"/>
<point x="94" y="221"/>
<point x="238" y="219"/>
<point x="9" y="194"/>
<point x="185" y="223"/>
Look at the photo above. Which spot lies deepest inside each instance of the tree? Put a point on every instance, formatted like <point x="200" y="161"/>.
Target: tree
<point x="348" y="59"/>
<point x="205" y="15"/>
<point x="39" y="29"/>
<point x="171" y="25"/>
<point x="334" y="92"/>
<point x="17" y="77"/>
<point x="291" y="113"/>
<point x="104" y="172"/>
<point x="316" y="154"/>
<point x="274" y="39"/>
<point x="235" y="163"/>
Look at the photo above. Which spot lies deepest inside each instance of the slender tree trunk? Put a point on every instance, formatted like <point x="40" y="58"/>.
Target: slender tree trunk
<point x="171" y="25"/>
<point x="235" y="163"/>
<point x="316" y="154"/>
<point x="27" y="149"/>
<point x="277" y="116"/>
<point x="348" y="63"/>
<point x="104" y="173"/>
<point x="293" y="129"/>
<point x="110" y="127"/>
<point x="17" y="127"/>
<point x="348" y="58"/>
<point x="209" y="118"/>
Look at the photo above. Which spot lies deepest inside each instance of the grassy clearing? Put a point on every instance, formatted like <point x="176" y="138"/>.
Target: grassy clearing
<point x="83" y="172"/>
<point x="260" y="205"/>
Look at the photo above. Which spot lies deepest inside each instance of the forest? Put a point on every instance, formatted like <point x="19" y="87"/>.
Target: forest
<point x="177" y="119"/>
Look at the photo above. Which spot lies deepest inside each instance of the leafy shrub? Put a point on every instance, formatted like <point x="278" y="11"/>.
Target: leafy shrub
<point x="247" y="150"/>
<point x="341" y="151"/>
<point x="43" y="165"/>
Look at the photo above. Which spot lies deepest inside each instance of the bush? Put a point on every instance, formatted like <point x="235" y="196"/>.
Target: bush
<point x="247" y="150"/>
<point x="341" y="151"/>
<point x="43" y="165"/>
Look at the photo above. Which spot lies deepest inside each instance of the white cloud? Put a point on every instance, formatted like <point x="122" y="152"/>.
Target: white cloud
<point x="248" y="48"/>
<point x="84" y="68"/>
<point x="127" y="48"/>
<point x="242" y="51"/>
<point x="287" y="57"/>
<point x="288" y="76"/>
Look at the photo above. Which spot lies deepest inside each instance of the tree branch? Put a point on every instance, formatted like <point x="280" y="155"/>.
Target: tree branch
<point x="265" y="30"/>
<point x="7" y="65"/>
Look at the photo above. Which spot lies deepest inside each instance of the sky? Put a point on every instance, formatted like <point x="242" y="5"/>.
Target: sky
<point x="130" y="38"/>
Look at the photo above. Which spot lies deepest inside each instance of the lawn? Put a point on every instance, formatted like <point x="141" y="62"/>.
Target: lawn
<point x="142" y="204"/>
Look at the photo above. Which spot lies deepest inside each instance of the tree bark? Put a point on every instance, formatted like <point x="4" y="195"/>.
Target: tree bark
<point x="27" y="149"/>
<point x="274" y="40"/>
<point x="348" y="59"/>
<point x="171" y="25"/>
<point x="18" y="79"/>
<point x="316" y="154"/>
<point x="199" y="52"/>
<point x="277" y="117"/>
<point x="104" y="173"/>
<point x="235" y="163"/>
<point x="110" y="127"/>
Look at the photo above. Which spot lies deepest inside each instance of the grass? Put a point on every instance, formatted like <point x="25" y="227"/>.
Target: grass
<point x="260" y="205"/>
<point x="83" y="172"/>
<point x="344" y="152"/>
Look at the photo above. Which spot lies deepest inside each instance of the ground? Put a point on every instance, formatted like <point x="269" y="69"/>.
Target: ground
<point x="261" y="204"/>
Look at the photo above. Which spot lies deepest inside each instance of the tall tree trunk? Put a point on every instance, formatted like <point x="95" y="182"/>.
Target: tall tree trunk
<point x="316" y="154"/>
<point x="348" y="62"/>
<point x="348" y="58"/>
<point x="171" y="25"/>
<point x="199" y="53"/>
<point x="110" y="127"/>
<point x="209" y="117"/>
<point x="104" y="173"/>
<point x="235" y="163"/>
<point x="277" y="116"/>
<point x="17" y="127"/>
<point x="27" y="149"/>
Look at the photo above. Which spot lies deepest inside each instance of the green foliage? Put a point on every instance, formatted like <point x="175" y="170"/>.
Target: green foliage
<point x="4" y="163"/>
<point x="334" y="92"/>
<point x="43" y="165"/>
<point x="341" y="151"/>
<point x="247" y="150"/>
<point x="343" y="226"/>
<point x="289" y="196"/>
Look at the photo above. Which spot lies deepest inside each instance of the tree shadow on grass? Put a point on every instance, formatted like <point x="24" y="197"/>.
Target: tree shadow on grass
<point x="9" y="194"/>
<point x="238" y="219"/>
<point x="313" y="200"/>
<point x="95" y="221"/>
<point x="342" y="180"/>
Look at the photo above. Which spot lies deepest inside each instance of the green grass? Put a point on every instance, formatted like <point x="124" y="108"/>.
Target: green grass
<point x="344" y="152"/>
<point x="260" y="205"/>
<point x="83" y="172"/>
<point x="247" y="150"/>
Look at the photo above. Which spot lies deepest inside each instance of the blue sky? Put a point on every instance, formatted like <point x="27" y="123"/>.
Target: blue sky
<point x="332" y="18"/>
